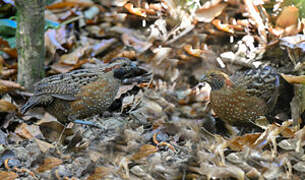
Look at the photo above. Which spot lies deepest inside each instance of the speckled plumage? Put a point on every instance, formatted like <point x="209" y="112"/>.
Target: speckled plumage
<point x="245" y="96"/>
<point x="81" y="93"/>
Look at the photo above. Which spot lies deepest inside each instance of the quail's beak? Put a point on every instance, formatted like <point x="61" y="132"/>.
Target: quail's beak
<point x="135" y="70"/>
<point x="136" y="73"/>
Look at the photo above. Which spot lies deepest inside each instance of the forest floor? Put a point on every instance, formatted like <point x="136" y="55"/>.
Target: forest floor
<point x="163" y="129"/>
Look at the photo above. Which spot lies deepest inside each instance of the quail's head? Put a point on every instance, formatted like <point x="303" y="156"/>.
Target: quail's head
<point x="124" y="68"/>
<point x="216" y="79"/>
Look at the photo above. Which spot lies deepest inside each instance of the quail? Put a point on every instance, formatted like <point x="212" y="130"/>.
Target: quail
<point x="245" y="96"/>
<point x="82" y="93"/>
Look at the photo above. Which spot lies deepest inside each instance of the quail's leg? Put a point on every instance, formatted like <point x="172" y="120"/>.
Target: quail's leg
<point x="75" y="119"/>
<point x="88" y="123"/>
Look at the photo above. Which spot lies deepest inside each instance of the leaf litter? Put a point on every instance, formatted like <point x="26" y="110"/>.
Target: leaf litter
<point x="163" y="129"/>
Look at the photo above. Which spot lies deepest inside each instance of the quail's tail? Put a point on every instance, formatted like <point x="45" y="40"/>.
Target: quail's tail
<point x="32" y="102"/>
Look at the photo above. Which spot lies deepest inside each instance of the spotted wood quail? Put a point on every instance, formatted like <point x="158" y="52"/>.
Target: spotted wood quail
<point x="82" y="93"/>
<point x="245" y="96"/>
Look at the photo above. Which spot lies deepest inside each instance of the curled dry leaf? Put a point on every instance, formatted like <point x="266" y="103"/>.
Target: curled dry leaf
<point x="298" y="103"/>
<point x="194" y="52"/>
<point x="238" y="143"/>
<point x="8" y="175"/>
<point x="8" y="86"/>
<point x="53" y="129"/>
<point x="300" y="136"/>
<point x="102" y="46"/>
<point x="221" y="172"/>
<point x="70" y="4"/>
<point x="6" y="106"/>
<point x="287" y="22"/>
<point x="6" y="73"/>
<point x="294" y="42"/>
<point x="144" y="151"/>
<point x="207" y="14"/>
<point x="49" y="163"/>
<point x="223" y="27"/>
<point x="24" y="131"/>
<point x="51" y="41"/>
<point x="288" y="17"/>
<point x="100" y="172"/>
<point x="132" y="41"/>
<point x="43" y="146"/>
<point x="292" y="79"/>
<point x="75" y="56"/>
<point x="135" y="11"/>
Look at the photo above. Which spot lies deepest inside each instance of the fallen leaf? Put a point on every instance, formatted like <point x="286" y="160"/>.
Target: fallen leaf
<point x="194" y="52"/>
<point x="135" y="11"/>
<point x="6" y="106"/>
<point x="222" y="27"/>
<point x="53" y="129"/>
<point x="102" y="46"/>
<point x="8" y="175"/>
<point x="100" y="172"/>
<point x="69" y="4"/>
<point x="23" y="131"/>
<point x="289" y="16"/>
<point x="240" y="142"/>
<point x="208" y="14"/>
<point x="49" y="163"/>
<point x="292" y="79"/>
<point x="8" y="86"/>
<point x="144" y="151"/>
<point x="43" y="146"/>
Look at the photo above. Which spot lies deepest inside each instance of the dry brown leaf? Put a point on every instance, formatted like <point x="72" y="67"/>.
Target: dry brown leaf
<point x="3" y="43"/>
<point x="23" y="131"/>
<point x="194" y="52"/>
<point x="144" y="151"/>
<point x="43" y="146"/>
<point x="102" y="46"/>
<point x="74" y="57"/>
<point x="6" y="106"/>
<point x="287" y="22"/>
<point x="223" y="27"/>
<point x="12" y="52"/>
<point x="239" y="142"/>
<point x="100" y="173"/>
<point x="208" y="14"/>
<point x="289" y="16"/>
<point x="292" y="79"/>
<point x="94" y="156"/>
<point x="300" y="136"/>
<point x="70" y="4"/>
<point x="4" y="175"/>
<point x="6" y="73"/>
<point x="52" y="130"/>
<point x="7" y="86"/>
<point x="137" y="44"/>
<point x="63" y="68"/>
<point x="52" y="42"/>
<point x="49" y="163"/>
<point x="135" y="11"/>
<point x="220" y="172"/>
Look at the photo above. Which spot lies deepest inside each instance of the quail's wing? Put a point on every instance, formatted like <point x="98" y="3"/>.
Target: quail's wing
<point x="65" y="86"/>
<point x="261" y="82"/>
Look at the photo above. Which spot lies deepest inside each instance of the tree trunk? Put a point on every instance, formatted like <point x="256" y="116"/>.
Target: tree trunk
<point x="30" y="41"/>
